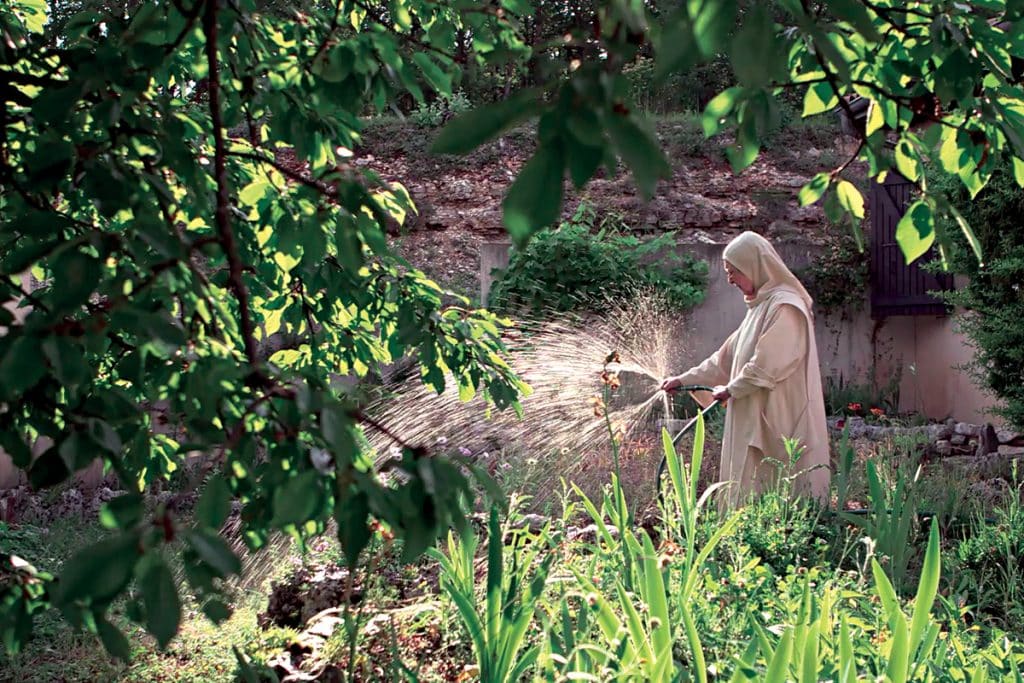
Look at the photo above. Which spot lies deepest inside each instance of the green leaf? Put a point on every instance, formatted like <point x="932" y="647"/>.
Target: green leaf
<point x="856" y="14"/>
<point x="641" y="152"/>
<point x="48" y="469"/>
<point x="779" y="664"/>
<point x="676" y="48"/>
<point x="718" y="109"/>
<point x="76" y="276"/>
<point x="850" y="198"/>
<point x="114" y="642"/>
<point x="1018" y="170"/>
<point x="713" y="20"/>
<point x="98" y="572"/>
<point x="743" y="152"/>
<point x="757" y="55"/>
<point x="67" y="360"/>
<point x="820" y="97"/>
<point x="216" y="611"/>
<point x="876" y="121"/>
<point x="438" y="79"/>
<point x="336" y="425"/>
<point x="298" y="499"/>
<point x="163" y="606"/>
<point x="953" y="154"/>
<point x="22" y="366"/>
<point x="915" y="233"/>
<point x="583" y="160"/>
<point x="535" y="199"/>
<point x="122" y="512"/>
<point x="352" y="514"/>
<point x="927" y="587"/>
<point x="214" y="504"/>
<point x="812" y="191"/>
<point x="965" y="228"/>
<point x="472" y="129"/>
<point x="907" y="162"/>
<point x="213" y="551"/>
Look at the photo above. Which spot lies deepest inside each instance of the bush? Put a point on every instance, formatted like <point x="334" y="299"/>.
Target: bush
<point x="440" y="110"/>
<point x="990" y="564"/>
<point x="837" y="278"/>
<point x="570" y="267"/>
<point x="994" y="317"/>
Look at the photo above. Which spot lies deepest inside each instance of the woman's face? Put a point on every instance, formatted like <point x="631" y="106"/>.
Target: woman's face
<point x="739" y="280"/>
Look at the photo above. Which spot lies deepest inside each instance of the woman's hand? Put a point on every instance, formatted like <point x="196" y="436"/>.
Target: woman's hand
<point x="721" y="393"/>
<point x="670" y="384"/>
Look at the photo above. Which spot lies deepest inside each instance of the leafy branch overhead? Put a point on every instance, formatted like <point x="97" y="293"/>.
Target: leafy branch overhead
<point x="186" y="241"/>
<point x="935" y="83"/>
<point x="172" y="268"/>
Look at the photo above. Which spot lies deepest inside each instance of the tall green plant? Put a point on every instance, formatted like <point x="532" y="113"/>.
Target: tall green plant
<point x="891" y="518"/>
<point x="643" y="620"/>
<point x="515" y="582"/>
<point x="811" y="648"/>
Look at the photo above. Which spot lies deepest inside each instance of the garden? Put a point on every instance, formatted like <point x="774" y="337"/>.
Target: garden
<point x="249" y="431"/>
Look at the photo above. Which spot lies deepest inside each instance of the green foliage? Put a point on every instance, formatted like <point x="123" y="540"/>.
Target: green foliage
<point x="784" y="534"/>
<point x="440" y="110"/>
<point x="172" y="270"/>
<point x="990" y="563"/>
<point x="572" y="268"/>
<point x="515" y="582"/>
<point x="891" y="518"/>
<point x="622" y="605"/>
<point x="849" y="397"/>
<point x="838" y="279"/>
<point x="993" y="315"/>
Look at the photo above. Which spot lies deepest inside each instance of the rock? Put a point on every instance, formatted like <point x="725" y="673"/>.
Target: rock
<point x="588" y="534"/>
<point x="937" y="432"/>
<point x="988" y="440"/>
<point x="1006" y="435"/>
<point x="1011" y="451"/>
<point x="966" y="429"/>
<point x="958" y="440"/>
<point x="943" y="448"/>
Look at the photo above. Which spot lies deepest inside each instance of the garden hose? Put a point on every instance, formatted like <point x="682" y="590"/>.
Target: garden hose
<point x="687" y="427"/>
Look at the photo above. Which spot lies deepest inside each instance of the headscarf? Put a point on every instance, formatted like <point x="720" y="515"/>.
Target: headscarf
<point x="755" y="257"/>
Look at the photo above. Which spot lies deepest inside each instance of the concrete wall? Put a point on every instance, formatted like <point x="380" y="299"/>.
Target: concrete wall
<point x="926" y="351"/>
<point x="493" y="256"/>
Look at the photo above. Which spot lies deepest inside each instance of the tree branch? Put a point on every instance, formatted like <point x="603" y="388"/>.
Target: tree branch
<point x="285" y="171"/>
<point x="223" y="212"/>
<point x="835" y="172"/>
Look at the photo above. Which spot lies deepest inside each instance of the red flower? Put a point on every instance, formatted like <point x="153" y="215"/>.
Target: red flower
<point x="877" y="412"/>
<point x="854" y="407"/>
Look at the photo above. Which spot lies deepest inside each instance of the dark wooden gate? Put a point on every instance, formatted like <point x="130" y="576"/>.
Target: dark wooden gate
<point x="896" y="288"/>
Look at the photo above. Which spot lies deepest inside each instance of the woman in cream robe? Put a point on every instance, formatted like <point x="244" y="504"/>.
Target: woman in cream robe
<point x="767" y="374"/>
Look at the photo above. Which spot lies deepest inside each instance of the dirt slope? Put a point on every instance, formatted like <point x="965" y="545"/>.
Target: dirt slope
<point x="459" y="199"/>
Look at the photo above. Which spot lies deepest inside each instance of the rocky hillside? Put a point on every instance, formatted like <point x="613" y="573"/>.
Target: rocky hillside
<point x="459" y="198"/>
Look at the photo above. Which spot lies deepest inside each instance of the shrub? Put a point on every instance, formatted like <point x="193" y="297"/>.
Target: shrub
<point x="571" y="267"/>
<point x="993" y="320"/>
<point x="837" y="278"/>
<point x="990" y="563"/>
<point x="433" y="114"/>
